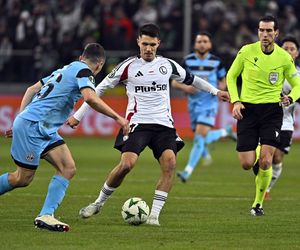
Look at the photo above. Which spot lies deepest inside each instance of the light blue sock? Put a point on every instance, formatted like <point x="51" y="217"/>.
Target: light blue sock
<point x="56" y="192"/>
<point x="205" y="152"/>
<point x="214" y="135"/>
<point x="4" y="184"/>
<point x="196" y="151"/>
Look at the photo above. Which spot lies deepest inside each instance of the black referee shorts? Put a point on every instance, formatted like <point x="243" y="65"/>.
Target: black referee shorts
<point x="260" y="123"/>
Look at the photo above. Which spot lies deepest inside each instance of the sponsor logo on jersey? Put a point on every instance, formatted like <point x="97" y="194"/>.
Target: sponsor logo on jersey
<point x="273" y="77"/>
<point x="155" y="87"/>
<point x="163" y="70"/>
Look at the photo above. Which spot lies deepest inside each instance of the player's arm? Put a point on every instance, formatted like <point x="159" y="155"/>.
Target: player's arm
<point x="231" y="80"/>
<point x="78" y="115"/>
<point x="203" y="85"/>
<point x="99" y="105"/>
<point x="110" y="81"/>
<point x="29" y="94"/>
<point x="184" y="76"/>
<point x="185" y="88"/>
<point x="222" y="83"/>
<point x="293" y="78"/>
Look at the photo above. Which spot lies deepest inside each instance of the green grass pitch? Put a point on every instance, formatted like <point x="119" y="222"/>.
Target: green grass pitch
<point x="211" y="211"/>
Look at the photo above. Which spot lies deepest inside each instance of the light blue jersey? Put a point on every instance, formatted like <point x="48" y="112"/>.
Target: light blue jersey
<point x="35" y="129"/>
<point x="55" y="101"/>
<point x="203" y="106"/>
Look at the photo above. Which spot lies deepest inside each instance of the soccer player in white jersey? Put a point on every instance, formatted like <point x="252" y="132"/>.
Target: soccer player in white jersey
<point x="291" y="45"/>
<point x="146" y="78"/>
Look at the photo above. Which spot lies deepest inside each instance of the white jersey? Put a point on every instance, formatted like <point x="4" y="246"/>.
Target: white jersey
<point x="148" y="88"/>
<point x="288" y="111"/>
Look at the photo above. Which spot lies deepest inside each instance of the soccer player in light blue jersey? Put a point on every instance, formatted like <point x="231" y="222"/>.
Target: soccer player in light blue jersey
<point x="44" y="108"/>
<point x="202" y="106"/>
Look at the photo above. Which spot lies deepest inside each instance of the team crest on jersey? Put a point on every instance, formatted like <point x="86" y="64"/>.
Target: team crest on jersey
<point x="92" y="79"/>
<point x="273" y="77"/>
<point x="29" y="157"/>
<point x="163" y="70"/>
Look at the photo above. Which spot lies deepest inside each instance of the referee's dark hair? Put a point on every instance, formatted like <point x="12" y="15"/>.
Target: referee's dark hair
<point x="149" y="29"/>
<point x="94" y="52"/>
<point x="269" y="18"/>
<point x="291" y="39"/>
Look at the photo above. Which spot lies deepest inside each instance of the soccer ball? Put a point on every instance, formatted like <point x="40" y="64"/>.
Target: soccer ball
<point x="135" y="211"/>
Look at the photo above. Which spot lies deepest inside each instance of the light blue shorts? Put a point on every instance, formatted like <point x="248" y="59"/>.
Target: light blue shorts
<point x="203" y="116"/>
<point x="30" y="142"/>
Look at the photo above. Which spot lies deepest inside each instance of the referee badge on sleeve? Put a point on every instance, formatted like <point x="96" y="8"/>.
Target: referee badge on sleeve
<point x="273" y="77"/>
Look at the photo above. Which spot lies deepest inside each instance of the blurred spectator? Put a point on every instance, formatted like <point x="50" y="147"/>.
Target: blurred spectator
<point x="146" y="13"/>
<point x="120" y="30"/>
<point x="38" y="35"/>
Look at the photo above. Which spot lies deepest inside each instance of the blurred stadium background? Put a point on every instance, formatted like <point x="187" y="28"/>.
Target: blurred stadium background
<point x="38" y="36"/>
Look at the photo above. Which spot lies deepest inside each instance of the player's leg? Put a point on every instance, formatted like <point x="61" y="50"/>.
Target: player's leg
<point x="196" y="152"/>
<point x="282" y="149"/>
<point x="263" y="177"/>
<point x="22" y="177"/>
<point x="164" y="146"/>
<point x="59" y="156"/>
<point x="276" y="171"/>
<point x="130" y="149"/>
<point x="216" y="134"/>
<point x="270" y="123"/>
<point x="206" y="156"/>
<point x="248" y="138"/>
<point x="113" y="181"/>
<point x="25" y="137"/>
<point x="168" y="164"/>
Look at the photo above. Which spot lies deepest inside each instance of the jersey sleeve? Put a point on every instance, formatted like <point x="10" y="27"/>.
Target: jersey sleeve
<point x="233" y="73"/>
<point x="293" y="78"/>
<point x="221" y="72"/>
<point x="85" y="79"/>
<point x="180" y="74"/>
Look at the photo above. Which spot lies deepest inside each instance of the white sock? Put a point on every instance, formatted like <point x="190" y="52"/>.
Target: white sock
<point x="159" y="201"/>
<point x="189" y="169"/>
<point x="277" y="169"/>
<point x="105" y="193"/>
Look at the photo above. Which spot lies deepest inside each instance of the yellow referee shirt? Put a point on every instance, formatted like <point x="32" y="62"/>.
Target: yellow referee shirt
<point x="262" y="75"/>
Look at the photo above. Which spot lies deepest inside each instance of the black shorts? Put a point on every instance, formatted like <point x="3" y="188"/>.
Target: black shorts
<point x="260" y="123"/>
<point x="285" y="141"/>
<point x="157" y="137"/>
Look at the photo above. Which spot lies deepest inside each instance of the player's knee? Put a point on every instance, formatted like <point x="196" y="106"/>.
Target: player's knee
<point x="265" y="162"/>
<point x="246" y="164"/>
<point x="126" y="165"/>
<point x="169" y="164"/>
<point x="69" y="171"/>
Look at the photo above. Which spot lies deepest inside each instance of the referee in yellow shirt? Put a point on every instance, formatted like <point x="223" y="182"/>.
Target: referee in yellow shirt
<point x="263" y="66"/>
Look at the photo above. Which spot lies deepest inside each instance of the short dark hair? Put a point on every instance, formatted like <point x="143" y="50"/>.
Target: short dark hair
<point x="269" y="18"/>
<point x="204" y="33"/>
<point x="94" y="52"/>
<point x="291" y="39"/>
<point x="149" y="29"/>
